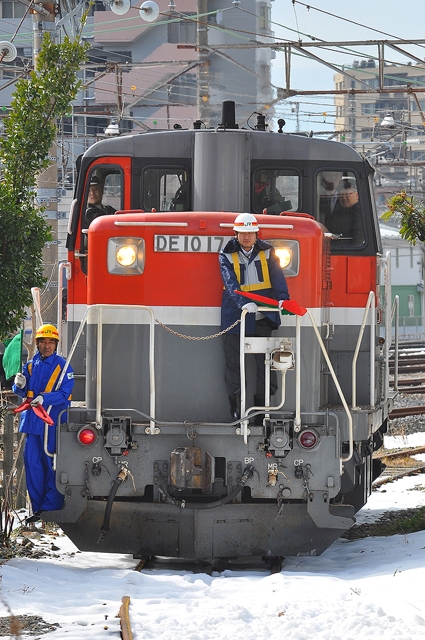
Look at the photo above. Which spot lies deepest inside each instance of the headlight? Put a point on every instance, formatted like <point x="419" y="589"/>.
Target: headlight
<point x="288" y="252"/>
<point x="126" y="256"/>
<point x="284" y="256"/>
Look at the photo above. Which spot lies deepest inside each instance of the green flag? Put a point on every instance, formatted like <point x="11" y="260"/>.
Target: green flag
<point x="12" y="356"/>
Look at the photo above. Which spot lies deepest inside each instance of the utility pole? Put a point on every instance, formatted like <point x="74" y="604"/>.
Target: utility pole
<point x="47" y="181"/>
<point x="203" y="93"/>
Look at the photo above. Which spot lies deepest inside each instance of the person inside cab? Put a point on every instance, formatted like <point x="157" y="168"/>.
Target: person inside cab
<point x="249" y="264"/>
<point x="345" y="220"/>
<point x="267" y="195"/>
<point x="95" y="208"/>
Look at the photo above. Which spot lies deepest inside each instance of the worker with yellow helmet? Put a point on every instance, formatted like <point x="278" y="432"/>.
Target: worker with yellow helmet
<point x="38" y="383"/>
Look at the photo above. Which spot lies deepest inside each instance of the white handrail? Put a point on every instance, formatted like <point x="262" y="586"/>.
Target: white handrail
<point x="63" y="265"/>
<point x="341" y="395"/>
<point x="372" y="351"/>
<point x="388" y="322"/>
<point x="100" y="308"/>
<point x="395" y="311"/>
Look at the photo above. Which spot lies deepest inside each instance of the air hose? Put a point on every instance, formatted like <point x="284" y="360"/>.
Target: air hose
<point x="247" y="474"/>
<point x="104" y="529"/>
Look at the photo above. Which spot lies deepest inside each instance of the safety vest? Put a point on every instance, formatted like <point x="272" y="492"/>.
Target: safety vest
<point x="252" y="276"/>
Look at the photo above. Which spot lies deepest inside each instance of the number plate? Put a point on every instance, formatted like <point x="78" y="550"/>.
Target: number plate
<point x="190" y="244"/>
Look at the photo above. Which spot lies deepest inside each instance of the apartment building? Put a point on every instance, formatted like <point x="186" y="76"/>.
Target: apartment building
<point x="388" y="127"/>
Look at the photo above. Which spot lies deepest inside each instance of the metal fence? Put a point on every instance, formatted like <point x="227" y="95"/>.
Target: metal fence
<point x="411" y="328"/>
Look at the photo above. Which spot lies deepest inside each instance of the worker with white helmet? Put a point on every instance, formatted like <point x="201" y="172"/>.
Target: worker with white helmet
<point x="38" y="384"/>
<point x="248" y="264"/>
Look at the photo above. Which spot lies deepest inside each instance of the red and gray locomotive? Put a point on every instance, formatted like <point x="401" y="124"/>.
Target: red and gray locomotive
<point x="150" y="462"/>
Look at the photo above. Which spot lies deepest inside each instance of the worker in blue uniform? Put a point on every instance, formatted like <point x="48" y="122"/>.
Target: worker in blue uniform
<point x="248" y="264"/>
<point x="38" y="384"/>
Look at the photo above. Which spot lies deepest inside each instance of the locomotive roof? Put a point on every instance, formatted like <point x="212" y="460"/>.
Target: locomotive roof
<point x="265" y="145"/>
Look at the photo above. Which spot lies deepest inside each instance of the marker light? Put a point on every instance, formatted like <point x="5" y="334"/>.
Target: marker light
<point x="308" y="439"/>
<point x="126" y="256"/>
<point x="284" y="255"/>
<point x="86" y="436"/>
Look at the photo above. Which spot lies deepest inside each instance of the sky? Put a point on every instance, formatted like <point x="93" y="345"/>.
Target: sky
<point x="401" y="20"/>
<point x="368" y="589"/>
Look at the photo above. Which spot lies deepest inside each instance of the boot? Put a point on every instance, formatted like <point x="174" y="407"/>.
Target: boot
<point x="235" y="406"/>
<point x="259" y="401"/>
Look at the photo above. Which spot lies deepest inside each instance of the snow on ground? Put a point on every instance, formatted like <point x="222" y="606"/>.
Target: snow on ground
<point x="368" y="589"/>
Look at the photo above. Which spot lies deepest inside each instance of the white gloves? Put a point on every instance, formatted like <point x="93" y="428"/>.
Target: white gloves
<point x="281" y="303"/>
<point x="20" y="380"/>
<point x="36" y="401"/>
<point x="251" y="307"/>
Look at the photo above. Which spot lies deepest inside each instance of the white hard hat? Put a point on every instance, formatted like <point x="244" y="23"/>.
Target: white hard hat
<point x="245" y="223"/>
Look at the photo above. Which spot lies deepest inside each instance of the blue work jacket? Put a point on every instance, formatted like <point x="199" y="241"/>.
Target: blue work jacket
<point x="42" y="377"/>
<point x="261" y="273"/>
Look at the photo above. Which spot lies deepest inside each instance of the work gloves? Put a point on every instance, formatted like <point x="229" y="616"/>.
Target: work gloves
<point x="37" y="400"/>
<point x="20" y="380"/>
<point x="251" y="307"/>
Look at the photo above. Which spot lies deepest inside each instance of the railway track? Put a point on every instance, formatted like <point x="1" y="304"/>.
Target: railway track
<point x="411" y="359"/>
<point x="393" y="471"/>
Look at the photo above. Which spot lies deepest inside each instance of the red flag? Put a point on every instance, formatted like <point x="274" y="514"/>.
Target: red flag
<point x="289" y="307"/>
<point x="39" y="411"/>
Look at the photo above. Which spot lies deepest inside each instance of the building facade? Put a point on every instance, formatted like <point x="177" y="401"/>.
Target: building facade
<point x="388" y="127"/>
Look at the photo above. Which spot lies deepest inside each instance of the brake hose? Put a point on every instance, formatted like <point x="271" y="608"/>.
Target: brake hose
<point x="104" y="529"/>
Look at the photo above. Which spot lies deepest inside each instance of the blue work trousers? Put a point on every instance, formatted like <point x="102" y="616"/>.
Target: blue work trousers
<point x="40" y="476"/>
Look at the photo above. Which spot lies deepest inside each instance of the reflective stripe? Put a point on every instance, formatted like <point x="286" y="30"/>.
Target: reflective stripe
<point x="30" y="394"/>
<point x="266" y="284"/>
<point x="236" y="266"/>
<point x="53" y="379"/>
<point x="30" y="367"/>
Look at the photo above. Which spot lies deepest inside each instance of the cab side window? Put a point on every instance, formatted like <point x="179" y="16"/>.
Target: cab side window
<point x="166" y="189"/>
<point x="276" y="190"/>
<point x="338" y="207"/>
<point x="104" y="193"/>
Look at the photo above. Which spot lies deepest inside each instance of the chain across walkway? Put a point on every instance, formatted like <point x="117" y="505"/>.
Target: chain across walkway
<point x="180" y="335"/>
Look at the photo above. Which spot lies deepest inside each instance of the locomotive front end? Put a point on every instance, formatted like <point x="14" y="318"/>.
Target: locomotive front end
<point x="153" y="464"/>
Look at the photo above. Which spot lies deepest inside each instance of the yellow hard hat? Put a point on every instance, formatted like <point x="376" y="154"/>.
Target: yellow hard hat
<point x="47" y="331"/>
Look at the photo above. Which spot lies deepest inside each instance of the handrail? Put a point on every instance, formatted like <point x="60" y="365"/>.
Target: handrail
<point x="396" y="310"/>
<point x="371" y="298"/>
<point x="341" y="395"/>
<point x="63" y="265"/>
<point x="388" y="321"/>
<point x="298" y="382"/>
<point x="244" y="412"/>
<point x="297" y="421"/>
<point x="61" y="377"/>
<point x="99" y="308"/>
